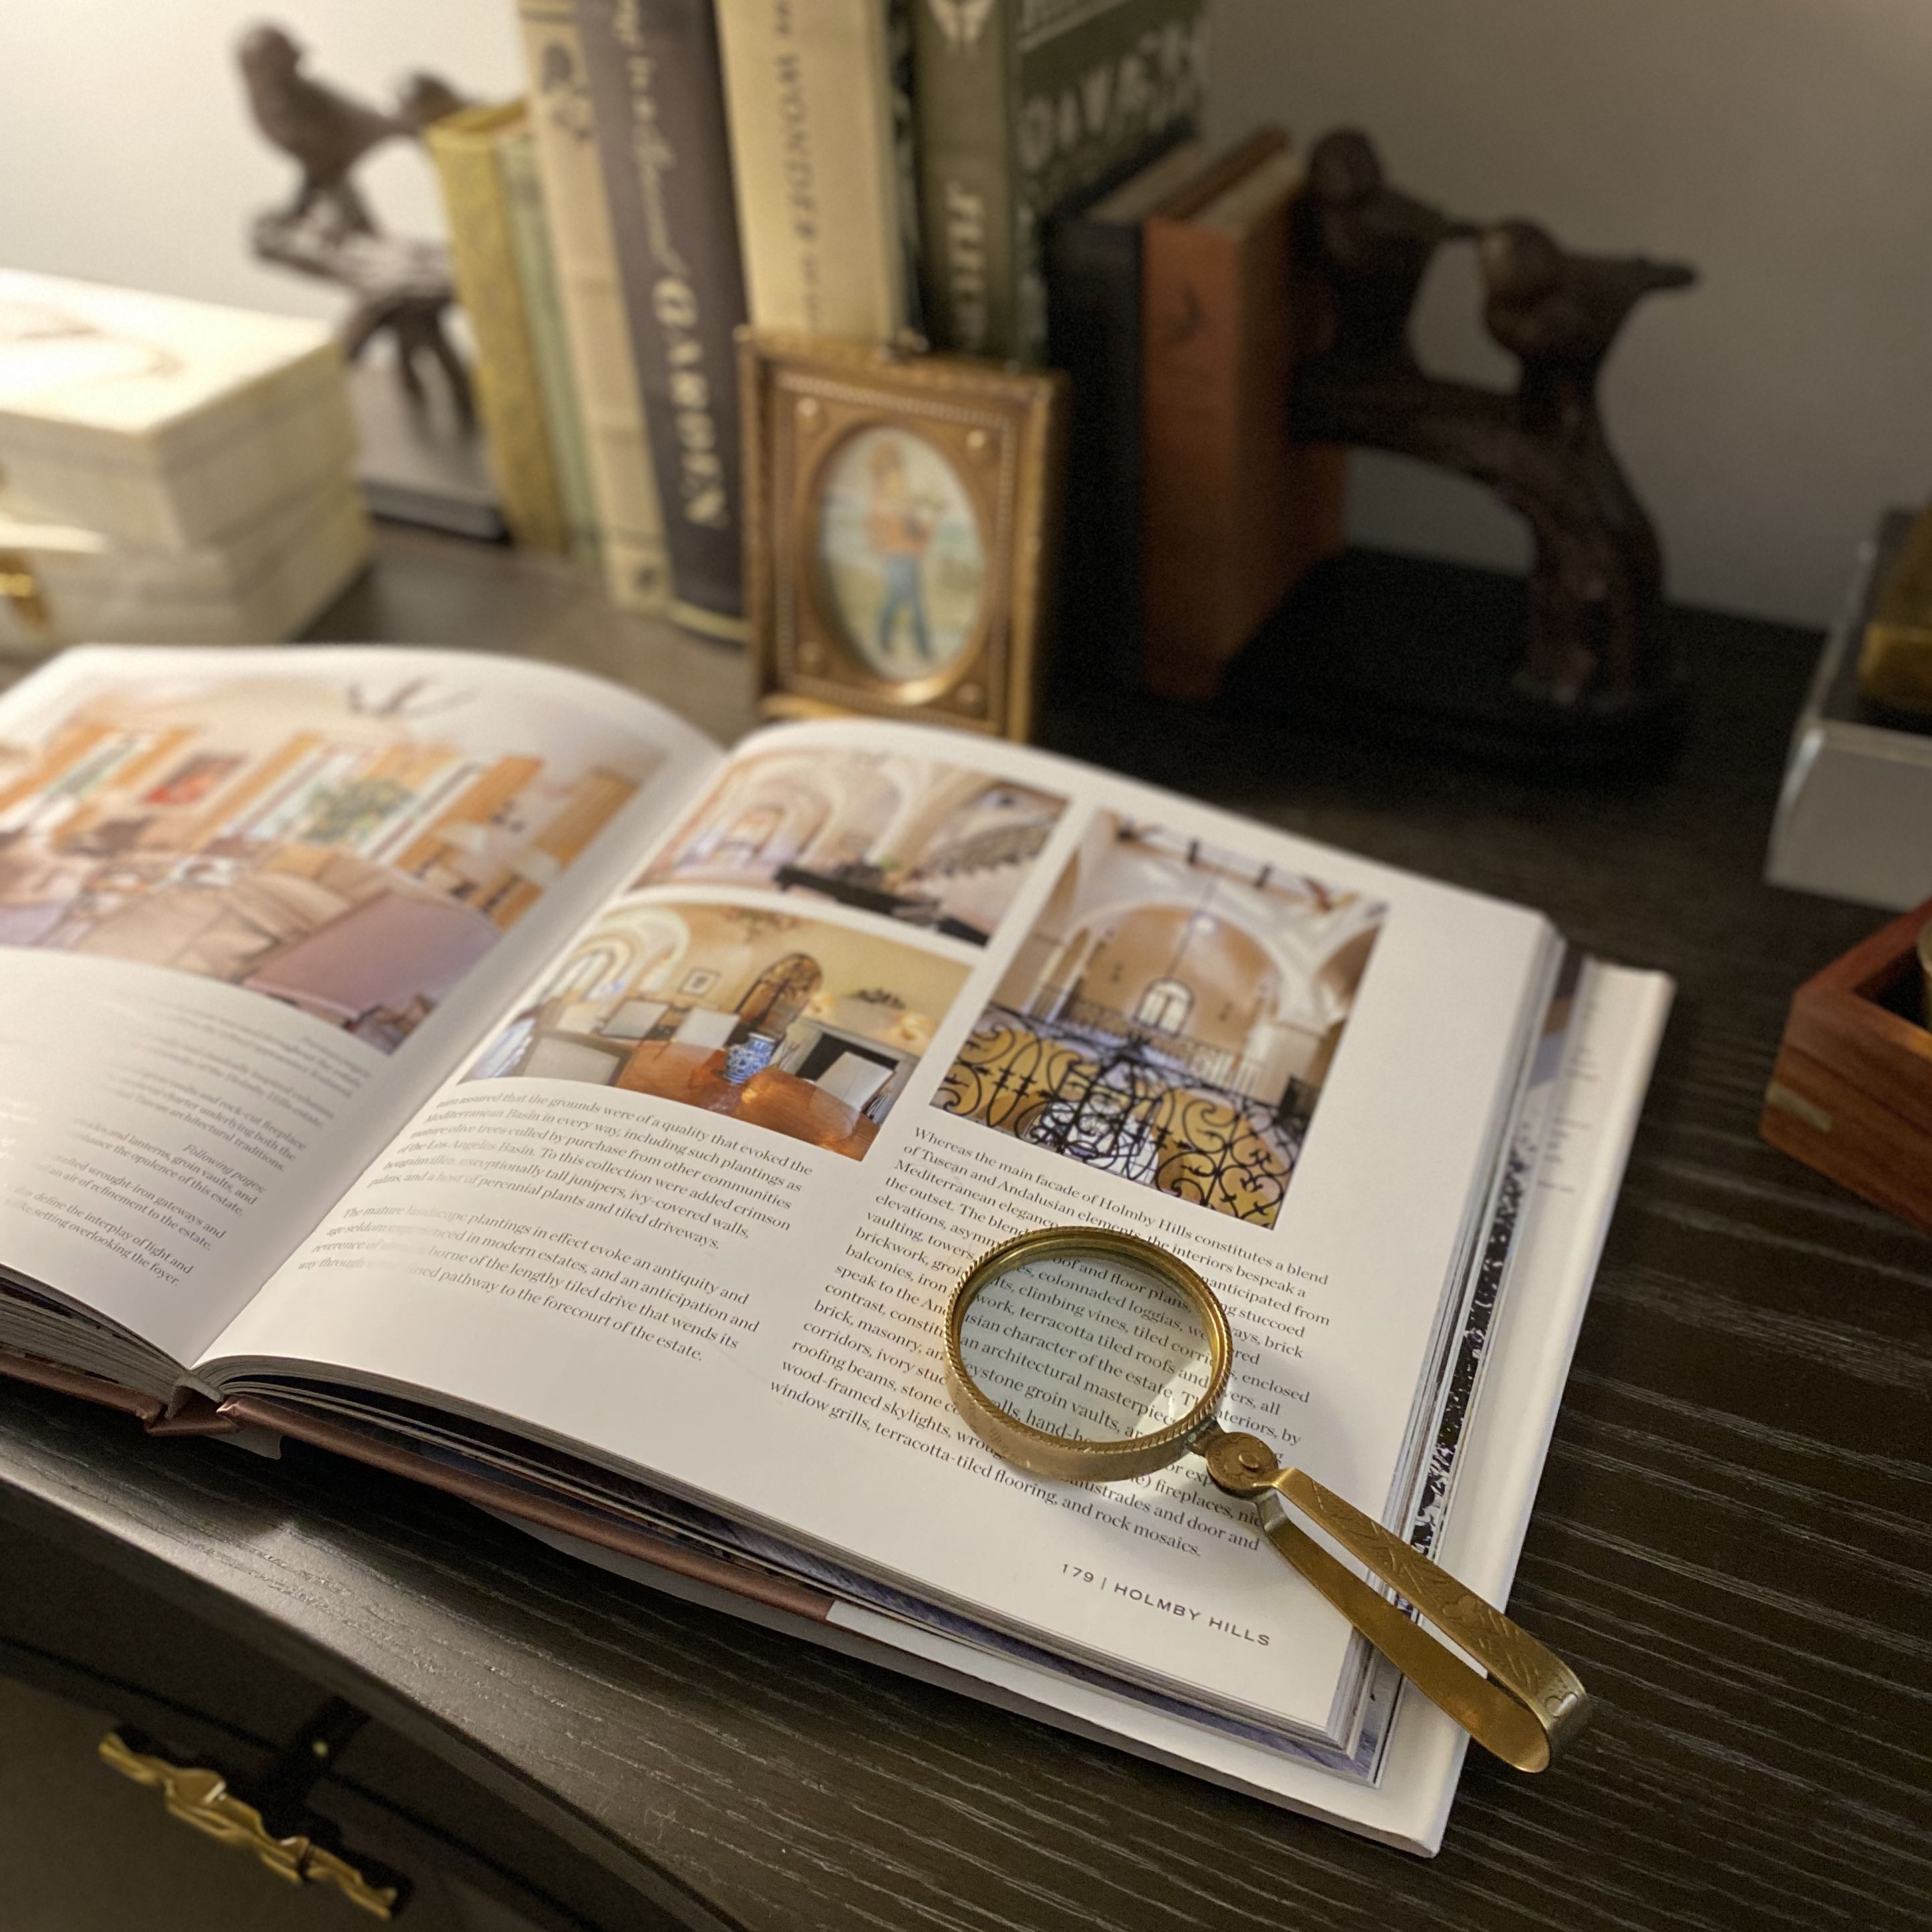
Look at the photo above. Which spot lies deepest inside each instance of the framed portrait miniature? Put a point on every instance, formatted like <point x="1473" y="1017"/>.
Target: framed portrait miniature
<point x="900" y="511"/>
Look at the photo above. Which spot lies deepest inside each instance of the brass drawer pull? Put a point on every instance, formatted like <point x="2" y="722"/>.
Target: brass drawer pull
<point x="202" y="1799"/>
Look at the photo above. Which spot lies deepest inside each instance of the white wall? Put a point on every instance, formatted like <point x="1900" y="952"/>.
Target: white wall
<point x="1784" y="146"/>
<point x="127" y="153"/>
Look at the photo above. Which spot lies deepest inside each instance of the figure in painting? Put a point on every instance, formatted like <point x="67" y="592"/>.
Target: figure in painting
<point x="899" y="527"/>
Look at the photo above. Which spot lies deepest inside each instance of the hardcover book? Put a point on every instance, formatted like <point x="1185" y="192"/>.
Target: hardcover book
<point x="816" y="158"/>
<point x="1232" y="511"/>
<point x="461" y="1064"/>
<point x="1021" y="103"/>
<point x="543" y="316"/>
<point x="657" y="99"/>
<point x="630" y="527"/>
<point x="1093" y="261"/>
<point x="467" y="146"/>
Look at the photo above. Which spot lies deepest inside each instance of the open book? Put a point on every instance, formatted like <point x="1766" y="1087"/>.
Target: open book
<point x="461" y="1063"/>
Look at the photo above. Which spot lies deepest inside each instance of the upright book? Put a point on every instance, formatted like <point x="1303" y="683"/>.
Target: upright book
<point x="1019" y="105"/>
<point x="630" y="527"/>
<point x="467" y="146"/>
<point x="824" y="197"/>
<point x="658" y="97"/>
<point x="459" y="1063"/>
<point x="1093" y="262"/>
<point x="1232" y="511"/>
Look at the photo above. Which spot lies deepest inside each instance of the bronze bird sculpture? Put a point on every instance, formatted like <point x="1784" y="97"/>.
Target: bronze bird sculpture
<point x="325" y="131"/>
<point x="1374" y="244"/>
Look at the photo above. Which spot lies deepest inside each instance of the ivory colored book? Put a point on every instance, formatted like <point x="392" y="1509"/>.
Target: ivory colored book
<point x="462" y="1064"/>
<point x="822" y="176"/>
<point x="630" y="528"/>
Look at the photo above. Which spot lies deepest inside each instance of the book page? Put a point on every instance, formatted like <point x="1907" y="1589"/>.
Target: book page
<point x="883" y="997"/>
<point x="254" y="904"/>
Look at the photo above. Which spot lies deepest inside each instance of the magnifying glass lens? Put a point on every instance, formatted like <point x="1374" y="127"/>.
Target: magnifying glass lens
<point x="1087" y="1348"/>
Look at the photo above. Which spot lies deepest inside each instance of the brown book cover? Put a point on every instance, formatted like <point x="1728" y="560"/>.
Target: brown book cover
<point x="1231" y="513"/>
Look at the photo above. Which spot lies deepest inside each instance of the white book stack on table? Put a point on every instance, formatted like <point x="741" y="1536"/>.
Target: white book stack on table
<point x="169" y="470"/>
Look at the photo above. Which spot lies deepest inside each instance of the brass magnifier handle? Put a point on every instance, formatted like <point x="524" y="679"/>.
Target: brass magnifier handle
<point x="1525" y="1711"/>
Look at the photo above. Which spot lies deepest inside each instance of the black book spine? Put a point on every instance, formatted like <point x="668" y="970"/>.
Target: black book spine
<point x="657" y="93"/>
<point x="1093" y="274"/>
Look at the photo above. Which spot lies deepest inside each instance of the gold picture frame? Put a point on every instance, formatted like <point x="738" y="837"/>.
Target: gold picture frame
<point x="900" y="515"/>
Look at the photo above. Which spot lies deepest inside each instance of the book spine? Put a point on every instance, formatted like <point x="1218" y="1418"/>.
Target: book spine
<point x="1021" y="104"/>
<point x="1093" y="313"/>
<point x="963" y="100"/>
<point x="1191" y="401"/>
<point x="508" y="398"/>
<point x="630" y="528"/>
<point x="808" y="91"/>
<point x="657" y="96"/>
<point x="1232" y="512"/>
<point x="536" y="273"/>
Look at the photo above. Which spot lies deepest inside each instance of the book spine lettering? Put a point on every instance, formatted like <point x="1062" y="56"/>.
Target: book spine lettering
<point x="657" y="95"/>
<point x="963" y="98"/>
<point x="509" y="396"/>
<point x="630" y="529"/>
<point x="813" y="155"/>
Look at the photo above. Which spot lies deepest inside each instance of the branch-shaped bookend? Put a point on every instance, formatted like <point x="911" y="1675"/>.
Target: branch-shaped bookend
<point x="1595" y="647"/>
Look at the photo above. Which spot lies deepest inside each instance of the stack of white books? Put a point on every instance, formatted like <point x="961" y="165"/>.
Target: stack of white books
<point x="169" y="470"/>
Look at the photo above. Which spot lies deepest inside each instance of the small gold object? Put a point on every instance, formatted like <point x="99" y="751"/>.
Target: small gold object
<point x="20" y="587"/>
<point x="1895" y="661"/>
<point x="901" y="518"/>
<point x="1529" y="1705"/>
<point x="201" y="1798"/>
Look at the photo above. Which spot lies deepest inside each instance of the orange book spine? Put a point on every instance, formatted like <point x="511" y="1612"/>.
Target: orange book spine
<point x="1232" y="513"/>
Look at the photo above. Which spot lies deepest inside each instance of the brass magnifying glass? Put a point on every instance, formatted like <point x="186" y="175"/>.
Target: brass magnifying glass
<point x="1086" y="1355"/>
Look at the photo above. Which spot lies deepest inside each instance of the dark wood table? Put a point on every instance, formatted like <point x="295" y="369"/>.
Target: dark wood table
<point x="1731" y="1541"/>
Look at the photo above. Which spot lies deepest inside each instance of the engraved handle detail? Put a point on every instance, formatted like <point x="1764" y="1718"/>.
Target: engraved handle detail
<point x="1530" y="1705"/>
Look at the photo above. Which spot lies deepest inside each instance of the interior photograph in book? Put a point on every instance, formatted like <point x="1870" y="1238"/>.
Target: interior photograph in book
<point x="350" y="849"/>
<point x="1171" y="1018"/>
<point x="930" y="844"/>
<point x="793" y="1023"/>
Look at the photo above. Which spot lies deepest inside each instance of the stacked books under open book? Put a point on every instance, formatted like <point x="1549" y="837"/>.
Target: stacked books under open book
<point x="464" y="1066"/>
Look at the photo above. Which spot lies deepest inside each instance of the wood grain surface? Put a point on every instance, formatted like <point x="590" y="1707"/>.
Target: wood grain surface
<point x="1731" y="1543"/>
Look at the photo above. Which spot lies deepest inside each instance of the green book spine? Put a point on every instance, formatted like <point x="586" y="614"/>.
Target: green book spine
<point x="1021" y="103"/>
<point x="536" y="274"/>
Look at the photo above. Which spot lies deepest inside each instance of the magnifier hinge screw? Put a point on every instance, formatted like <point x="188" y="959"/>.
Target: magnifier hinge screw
<point x="1241" y="1464"/>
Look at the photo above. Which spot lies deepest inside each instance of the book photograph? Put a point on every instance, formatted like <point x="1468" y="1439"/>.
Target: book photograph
<point x="794" y="1024"/>
<point x="1171" y="1018"/>
<point x="350" y="849"/>
<point x="933" y="845"/>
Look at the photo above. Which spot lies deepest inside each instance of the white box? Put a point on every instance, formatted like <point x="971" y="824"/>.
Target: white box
<point x="1855" y="817"/>
<point x="161" y="423"/>
<point x="262" y="583"/>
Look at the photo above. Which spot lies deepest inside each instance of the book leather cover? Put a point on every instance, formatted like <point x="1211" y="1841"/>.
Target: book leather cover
<point x="1232" y="513"/>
